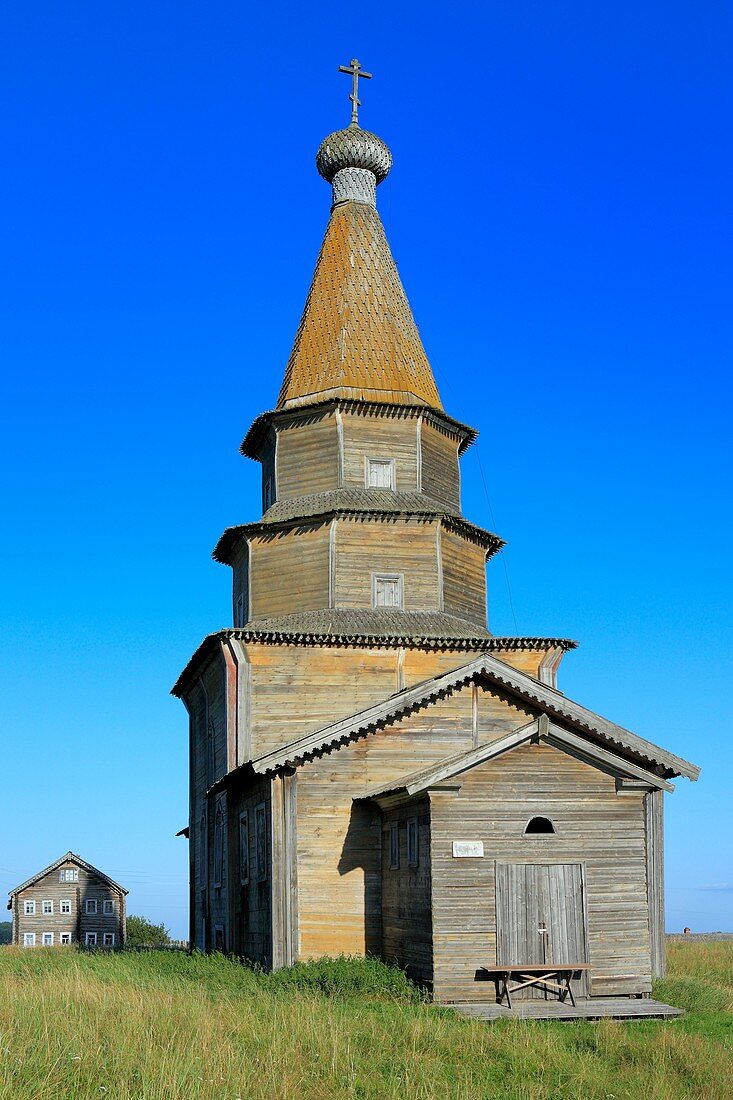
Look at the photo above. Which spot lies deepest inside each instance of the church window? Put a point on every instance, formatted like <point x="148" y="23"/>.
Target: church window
<point x="244" y="848"/>
<point x="65" y="906"/>
<point x="261" y="841"/>
<point x="30" y="909"/>
<point x="380" y="473"/>
<point x="47" y="908"/>
<point x="387" y="590"/>
<point x="218" y="846"/>
<point x="394" y="845"/>
<point x="412" y="842"/>
<point x="540" y="825"/>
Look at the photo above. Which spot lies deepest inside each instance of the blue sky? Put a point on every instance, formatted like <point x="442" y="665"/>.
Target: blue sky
<point x="560" y="211"/>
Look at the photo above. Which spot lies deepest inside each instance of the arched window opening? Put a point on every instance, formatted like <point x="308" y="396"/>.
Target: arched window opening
<point x="540" y="825"/>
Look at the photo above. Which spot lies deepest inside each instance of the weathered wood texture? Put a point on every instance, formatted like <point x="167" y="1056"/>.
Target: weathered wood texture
<point x="441" y="477"/>
<point x="594" y="826"/>
<point x="269" y="473"/>
<point x="289" y="571"/>
<point x="464" y="577"/>
<point x="407" y="926"/>
<point x="307" y="457"/>
<point x="391" y="436"/>
<point x="654" y="822"/>
<point x="397" y="546"/>
<point x="248" y="917"/>
<point x="240" y="585"/>
<point x="77" y="922"/>
<point x="595" y="1008"/>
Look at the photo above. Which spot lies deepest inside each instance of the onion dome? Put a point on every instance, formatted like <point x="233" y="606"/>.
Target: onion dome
<point x="353" y="161"/>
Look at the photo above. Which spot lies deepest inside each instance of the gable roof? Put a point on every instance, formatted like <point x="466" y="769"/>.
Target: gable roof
<point x="541" y="729"/>
<point x="357" y="337"/>
<point x="69" y="857"/>
<point x="510" y="680"/>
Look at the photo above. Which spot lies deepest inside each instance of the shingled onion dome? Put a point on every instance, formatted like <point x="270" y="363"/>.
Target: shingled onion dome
<point x="353" y="161"/>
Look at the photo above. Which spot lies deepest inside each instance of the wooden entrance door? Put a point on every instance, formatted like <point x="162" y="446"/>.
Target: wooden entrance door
<point x="540" y="916"/>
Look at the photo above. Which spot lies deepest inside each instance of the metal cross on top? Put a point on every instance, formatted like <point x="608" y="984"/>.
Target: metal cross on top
<point x="355" y="70"/>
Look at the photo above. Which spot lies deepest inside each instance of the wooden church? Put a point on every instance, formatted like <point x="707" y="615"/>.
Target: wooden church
<point x="371" y="770"/>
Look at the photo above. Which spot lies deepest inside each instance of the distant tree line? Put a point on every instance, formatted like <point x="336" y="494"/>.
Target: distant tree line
<point x="6" y="932"/>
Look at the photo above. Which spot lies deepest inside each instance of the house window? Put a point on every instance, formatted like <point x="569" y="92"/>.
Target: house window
<point x="91" y="906"/>
<point x="394" y="845"/>
<point x="540" y="825"/>
<point x="48" y="908"/>
<point x="65" y="937"/>
<point x="69" y="874"/>
<point x="239" y="617"/>
<point x="90" y="939"/>
<point x="47" y="939"/>
<point x="244" y="848"/>
<point x="386" y="590"/>
<point x="218" y="846"/>
<point x="267" y="494"/>
<point x="29" y="939"/>
<point x="108" y="939"/>
<point x="261" y="841"/>
<point x="108" y="908"/>
<point x="64" y="907"/>
<point x="412" y="852"/>
<point x="380" y="473"/>
<point x="30" y="909"/>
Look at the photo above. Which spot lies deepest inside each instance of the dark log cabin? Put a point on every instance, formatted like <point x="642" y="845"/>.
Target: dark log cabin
<point x="371" y="770"/>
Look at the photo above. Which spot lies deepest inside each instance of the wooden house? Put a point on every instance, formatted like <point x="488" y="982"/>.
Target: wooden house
<point x="68" y="902"/>
<point x="371" y="770"/>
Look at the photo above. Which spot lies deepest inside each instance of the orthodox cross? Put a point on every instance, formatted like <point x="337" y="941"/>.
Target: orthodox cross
<point x="355" y="70"/>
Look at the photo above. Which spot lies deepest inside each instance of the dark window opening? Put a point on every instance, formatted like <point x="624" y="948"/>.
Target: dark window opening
<point x="540" y="825"/>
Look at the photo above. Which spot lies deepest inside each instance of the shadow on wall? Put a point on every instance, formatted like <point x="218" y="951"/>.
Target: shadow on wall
<point x="362" y="851"/>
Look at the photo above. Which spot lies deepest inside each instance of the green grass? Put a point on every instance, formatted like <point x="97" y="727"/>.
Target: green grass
<point x="163" y="1026"/>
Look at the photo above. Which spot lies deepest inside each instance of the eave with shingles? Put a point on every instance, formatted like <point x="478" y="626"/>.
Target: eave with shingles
<point x="347" y="628"/>
<point x="511" y="681"/>
<point x="68" y="857"/>
<point x="253" y="440"/>
<point x="374" y="504"/>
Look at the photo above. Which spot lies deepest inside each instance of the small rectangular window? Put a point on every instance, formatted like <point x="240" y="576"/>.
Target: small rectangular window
<point x="69" y="874"/>
<point x="387" y="590"/>
<point x="394" y="845"/>
<point x="412" y="842"/>
<point x="108" y="940"/>
<point x="48" y="939"/>
<point x="65" y="937"/>
<point x="90" y="939"/>
<point x="261" y="841"/>
<point x="64" y="906"/>
<point x="30" y="909"/>
<point x="91" y="905"/>
<point x="218" y="846"/>
<point x="47" y="908"/>
<point x="109" y="907"/>
<point x="29" y="939"/>
<point x="380" y="473"/>
<point x="267" y="494"/>
<point x="244" y="848"/>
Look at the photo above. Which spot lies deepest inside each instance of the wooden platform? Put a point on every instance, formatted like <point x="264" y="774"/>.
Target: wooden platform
<point x="593" y="1008"/>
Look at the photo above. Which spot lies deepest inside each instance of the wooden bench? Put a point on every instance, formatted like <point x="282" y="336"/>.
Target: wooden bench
<point x="554" y="979"/>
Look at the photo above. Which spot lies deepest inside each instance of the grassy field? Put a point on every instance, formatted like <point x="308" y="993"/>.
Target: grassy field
<point x="165" y="1026"/>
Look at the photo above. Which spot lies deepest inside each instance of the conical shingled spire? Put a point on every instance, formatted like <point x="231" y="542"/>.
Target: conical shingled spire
<point x="357" y="337"/>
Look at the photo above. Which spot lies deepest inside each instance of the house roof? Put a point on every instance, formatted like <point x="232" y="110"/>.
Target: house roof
<point x="68" y="857"/>
<point x="485" y="667"/>
<point x="364" y="503"/>
<point x="357" y="337"/>
<point x="383" y="628"/>
<point x="537" y="730"/>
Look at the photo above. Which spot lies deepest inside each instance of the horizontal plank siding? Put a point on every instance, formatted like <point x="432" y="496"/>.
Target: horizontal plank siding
<point x="392" y="435"/>
<point x="289" y="571"/>
<point x="307" y="457"/>
<point x="464" y="578"/>
<point x="397" y="546"/>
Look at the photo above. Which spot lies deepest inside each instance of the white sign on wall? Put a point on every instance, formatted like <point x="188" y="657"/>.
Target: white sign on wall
<point x="467" y="848"/>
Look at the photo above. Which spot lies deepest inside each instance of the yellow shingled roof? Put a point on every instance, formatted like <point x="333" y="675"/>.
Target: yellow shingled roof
<point x="357" y="337"/>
